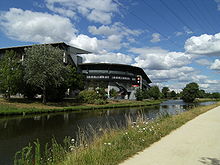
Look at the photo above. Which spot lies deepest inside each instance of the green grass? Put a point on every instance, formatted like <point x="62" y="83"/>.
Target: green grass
<point x="113" y="145"/>
<point x="25" y="108"/>
<point x="206" y="99"/>
<point x="118" y="145"/>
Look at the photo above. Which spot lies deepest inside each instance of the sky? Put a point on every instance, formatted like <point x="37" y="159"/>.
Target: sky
<point x="175" y="41"/>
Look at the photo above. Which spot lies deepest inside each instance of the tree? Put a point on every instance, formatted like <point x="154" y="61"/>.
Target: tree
<point x="44" y="68"/>
<point x="139" y="95"/>
<point x="74" y="80"/>
<point x="173" y="94"/>
<point x="201" y="93"/>
<point x="190" y="92"/>
<point x="216" y="95"/>
<point x="154" y="92"/>
<point x="165" y="91"/>
<point x="10" y="74"/>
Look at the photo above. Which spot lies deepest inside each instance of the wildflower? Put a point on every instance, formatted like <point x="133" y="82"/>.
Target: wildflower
<point x="126" y="133"/>
<point x="72" y="140"/>
<point x="109" y="144"/>
<point x="71" y="148"/>
<point x="144" y="129"/>
<point x="105" y="143"/>
<point x="137" y="126"/>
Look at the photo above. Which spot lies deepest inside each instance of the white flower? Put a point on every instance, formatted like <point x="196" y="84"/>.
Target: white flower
<point x="109" y="144"/>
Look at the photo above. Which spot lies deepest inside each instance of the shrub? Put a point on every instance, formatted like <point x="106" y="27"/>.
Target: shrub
<point x="139" y="95"/>
<point x="88" y="96"/>
<point x="100" y="101"/>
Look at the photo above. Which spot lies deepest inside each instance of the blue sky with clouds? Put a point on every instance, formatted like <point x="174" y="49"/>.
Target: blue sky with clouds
<point x="174" y="41"/>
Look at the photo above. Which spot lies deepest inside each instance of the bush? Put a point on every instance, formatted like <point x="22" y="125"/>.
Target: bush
<point x="139" y="95"/>
<point x="100" y="101"/>
<point x="88" y="96"/>
<point x="113" y="93"/>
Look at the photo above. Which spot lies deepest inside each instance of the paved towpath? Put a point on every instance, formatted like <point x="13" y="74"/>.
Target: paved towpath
<point x="195" y="143"/>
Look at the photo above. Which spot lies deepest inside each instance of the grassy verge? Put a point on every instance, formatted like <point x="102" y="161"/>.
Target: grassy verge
<point x="114" y="145"/>
<point x="199" y="100"/>
<point x="117" y="145"/>
<point x="24" y="108"/>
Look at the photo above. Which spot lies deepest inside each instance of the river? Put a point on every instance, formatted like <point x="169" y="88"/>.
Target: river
<point x="17" y="132"/>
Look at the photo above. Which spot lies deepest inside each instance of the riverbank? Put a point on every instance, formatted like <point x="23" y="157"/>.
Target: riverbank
<point x="196" y="142"/>
<point x="108" y="145"/>
<point x="118" y="145"/>
<point x="25" y="107"/>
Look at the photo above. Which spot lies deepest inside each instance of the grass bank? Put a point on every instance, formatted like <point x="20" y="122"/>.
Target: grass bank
<point x="25" y="107"/>
<point x="199" y="100"/>
<point x="116" y="145"/>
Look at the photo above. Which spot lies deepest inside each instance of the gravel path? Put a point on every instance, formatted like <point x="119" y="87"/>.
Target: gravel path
<point x="195" y="143"/>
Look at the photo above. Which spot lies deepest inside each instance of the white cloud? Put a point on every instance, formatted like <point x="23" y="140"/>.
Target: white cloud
<point x="204" y="44"/>
<point x="218" y="4"/>
<point x="216" y="65"/>
<point x="115" y="29"/>
<point x="179" y="33"/>
<point x="212" y="81"/>
<point x="203" y="62"/>
<point x="182" y="74"/>
<point x="25" y="25"/>
<point x="107" y="58"/>
<point x="114" y="36"/>
<point x="113" y="42"/>
<point x="98" y="11"/>
<point x="85" y="42"/>
<point x="185" y="31"/>
<point x="155" y="37"/>
<point x="156" y="58"/>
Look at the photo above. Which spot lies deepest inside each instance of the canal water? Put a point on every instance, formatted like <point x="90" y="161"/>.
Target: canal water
<point x="17" y="132"/>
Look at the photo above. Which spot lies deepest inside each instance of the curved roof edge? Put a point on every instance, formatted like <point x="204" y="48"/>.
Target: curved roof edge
<point x="138" y="69"/>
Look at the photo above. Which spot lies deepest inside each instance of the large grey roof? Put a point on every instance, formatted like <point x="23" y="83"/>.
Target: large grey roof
<point x="59" y="44"/>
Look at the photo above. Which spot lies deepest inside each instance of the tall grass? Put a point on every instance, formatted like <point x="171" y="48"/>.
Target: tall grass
<point x="110" y="145"/>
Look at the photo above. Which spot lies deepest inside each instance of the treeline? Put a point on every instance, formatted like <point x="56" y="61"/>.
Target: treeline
<point x="189" y="93"/>
<point x="40" y="71"/>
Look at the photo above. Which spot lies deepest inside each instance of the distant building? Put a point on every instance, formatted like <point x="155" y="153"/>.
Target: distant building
<point x="124" y="79"/>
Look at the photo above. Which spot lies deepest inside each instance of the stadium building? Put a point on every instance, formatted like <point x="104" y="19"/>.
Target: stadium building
<point x="124" y="79"/>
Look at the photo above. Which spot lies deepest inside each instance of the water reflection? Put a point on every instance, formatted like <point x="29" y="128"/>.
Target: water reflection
<point x="17" y="132"/>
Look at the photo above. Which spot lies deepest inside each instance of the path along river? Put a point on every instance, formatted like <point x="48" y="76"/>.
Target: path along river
<point x="17" y="132"/>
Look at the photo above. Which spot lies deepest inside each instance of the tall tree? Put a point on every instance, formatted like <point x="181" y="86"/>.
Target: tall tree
<point x="44" y="68"/>
<point x="173" y="94"/>
<point x="190" y="92"/>
<point x="154" y="92"/>
<point x="165" y="91"/>
<point x="10" y="74"/>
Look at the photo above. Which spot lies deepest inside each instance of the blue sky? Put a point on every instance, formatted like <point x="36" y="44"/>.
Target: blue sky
<point x="174" y="41"/>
